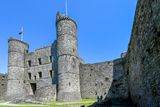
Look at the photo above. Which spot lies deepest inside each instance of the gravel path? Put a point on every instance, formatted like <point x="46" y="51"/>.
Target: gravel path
<point x="15" y="105"/>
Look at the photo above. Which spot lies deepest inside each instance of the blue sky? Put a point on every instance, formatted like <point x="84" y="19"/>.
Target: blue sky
<point x="104" y="26"/>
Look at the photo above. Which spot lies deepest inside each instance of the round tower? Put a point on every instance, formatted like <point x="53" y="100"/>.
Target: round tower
<point x="68" y="61"/>
<point x="16" y="56"/>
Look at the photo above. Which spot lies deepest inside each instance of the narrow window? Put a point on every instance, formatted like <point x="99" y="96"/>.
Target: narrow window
<point x="40" y="74"/>
<point x="29" y="63"/>
<point x="35" y="78"/>
<point x="69" y="84"/>
<point x="39" y="61"/>
<point x="29" y="75"/>
<point x="3" y="77"/>
<point x="2" y="84"/>
<point x="26" y="51"/>
<point x="51" y="59"/>
<point x="50" y="73"/>
<point x="95" y="93"/>
<point x="106" y="79"/>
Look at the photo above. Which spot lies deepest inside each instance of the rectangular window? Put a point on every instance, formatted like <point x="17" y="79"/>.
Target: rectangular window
<point x="26" y="51"/>
<point x="29" y="75"/>
<point x="35" y="77"/>
<point x="50" y="73"/>
<point x="40" y="74"/>
<point x="51" y="59"/>
<point x="39" y="61"/>
<point x="29" y="63"/>
<point x="3" y="77"/>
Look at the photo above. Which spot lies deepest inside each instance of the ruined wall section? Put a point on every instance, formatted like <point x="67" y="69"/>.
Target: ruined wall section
<point x="3" y="86"/>
<point x="95" y="79"/>
<point x="103" y="80"/>
<point x="143" y="57"/>
<point x="38" y="65"/>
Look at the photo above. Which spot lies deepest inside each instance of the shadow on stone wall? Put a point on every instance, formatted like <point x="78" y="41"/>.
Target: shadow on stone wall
<point x="118" y="93"/>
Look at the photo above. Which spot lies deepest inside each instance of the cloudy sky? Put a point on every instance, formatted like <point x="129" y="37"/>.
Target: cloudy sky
<point x="104" y="26"/>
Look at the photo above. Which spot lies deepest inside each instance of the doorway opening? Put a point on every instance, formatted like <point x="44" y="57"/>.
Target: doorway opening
<point x="34" y="87"/>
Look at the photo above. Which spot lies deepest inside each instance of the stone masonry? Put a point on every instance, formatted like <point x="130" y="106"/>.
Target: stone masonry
<point x="143" y="56"/>
<point x="3" y="85"/>
<point x="57" y="72"/>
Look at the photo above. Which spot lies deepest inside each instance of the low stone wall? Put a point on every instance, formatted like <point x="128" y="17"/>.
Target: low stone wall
<point x="103" y="80"/>
<point x="95" y="79"/>
<point x="47" y="93"/>
<point x="3" y="85"/>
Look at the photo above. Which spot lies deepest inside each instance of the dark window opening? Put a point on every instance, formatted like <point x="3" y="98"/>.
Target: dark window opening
<point x="73" y="50"/>
<point x="158" y="34"/>
<point x="96" y="93"/>
<point x="2" y="84"/>
<point x="69" y="84"/>
<point x="90" y="75"/>
<point x="50" y="73"/>
<point x="127" y="72"/>
<point x="39" y="61"/>
<point x="3" y="77"/>
<point x="34" y="87"/>
<point x="26" y="51"/>
<point x="106" y="79"/>
<point x="29" y="75"/>
<point x="35" y="77"/>
<point x="96" y="84"/>
<point x="101" y="84"/>
<point x="51" y="59"/>
<point x="40" y="74"/>
<point x="29" y="63"/>
<point x="114" y="80"/>
<point x="24" y="81"/>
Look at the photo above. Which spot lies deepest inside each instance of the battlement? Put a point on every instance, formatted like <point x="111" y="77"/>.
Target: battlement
<point x="14" y="39"/>
<point x="61" y="17"/>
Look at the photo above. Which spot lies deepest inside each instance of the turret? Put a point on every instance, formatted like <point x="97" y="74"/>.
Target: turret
<point x="16" y="57"/>
<point x="68" y="61"/>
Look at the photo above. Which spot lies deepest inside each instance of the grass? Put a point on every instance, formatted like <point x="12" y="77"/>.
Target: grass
<point x="2" y="101"/>
<point x="86" y="102"/>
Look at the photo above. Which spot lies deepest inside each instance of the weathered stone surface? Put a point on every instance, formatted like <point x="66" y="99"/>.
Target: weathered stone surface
<point x="3" y="85"/>
<point x="58" y="68"/>
<point x="95" y="79"/>
<point x="47" y="93"/>
<point x="104" y="80"/>
<point x="143" y="57"/>
<point x="68" y="61"/>
<point x="16" y="54"/>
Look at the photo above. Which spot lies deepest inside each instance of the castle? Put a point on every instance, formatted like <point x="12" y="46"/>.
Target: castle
<point x="58" y="73"/>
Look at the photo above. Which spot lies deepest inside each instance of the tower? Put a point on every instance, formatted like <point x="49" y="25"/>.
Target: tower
<point x="16" y="58"/>
<point x="68" y="61"/>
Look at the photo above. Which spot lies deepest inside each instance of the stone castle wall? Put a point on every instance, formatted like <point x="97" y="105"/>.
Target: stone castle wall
<point x="143" y="57"/>
<point x="3" y="86"/>
<point x="40" y="67"/>
<point x="95" y="79"/>
<point x="103" y="80"/>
